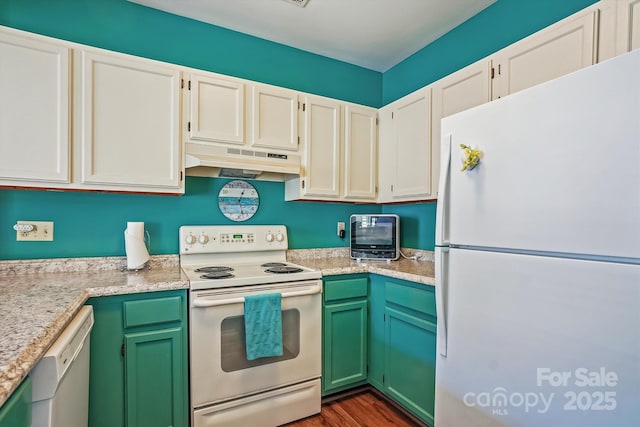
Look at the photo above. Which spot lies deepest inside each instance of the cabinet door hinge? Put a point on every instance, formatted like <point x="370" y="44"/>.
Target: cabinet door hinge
<point x="122" y="350"/>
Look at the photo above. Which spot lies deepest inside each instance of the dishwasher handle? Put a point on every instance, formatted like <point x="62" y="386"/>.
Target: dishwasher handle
<point x="203" y="303"/>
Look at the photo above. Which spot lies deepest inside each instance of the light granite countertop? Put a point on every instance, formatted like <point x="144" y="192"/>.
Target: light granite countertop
<point x="40" y="297"/>
<point x="331" y="262"/>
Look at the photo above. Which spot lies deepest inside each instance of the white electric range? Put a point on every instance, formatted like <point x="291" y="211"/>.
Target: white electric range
<point x="224" y="264"/>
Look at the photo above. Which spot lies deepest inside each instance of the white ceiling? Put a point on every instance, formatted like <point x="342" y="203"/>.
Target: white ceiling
<point x="375" y="34"/>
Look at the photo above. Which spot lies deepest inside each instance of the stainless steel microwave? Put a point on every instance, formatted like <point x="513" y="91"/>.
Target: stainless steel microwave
<point x="375" y="236"/>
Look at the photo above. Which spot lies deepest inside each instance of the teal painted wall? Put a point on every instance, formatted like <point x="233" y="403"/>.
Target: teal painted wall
<point x="499" y="25"/>
<point x="92" y="224"/>
<point x="417" y="224"/>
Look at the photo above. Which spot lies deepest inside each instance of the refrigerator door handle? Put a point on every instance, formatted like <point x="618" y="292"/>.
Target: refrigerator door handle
<point x="442" y="211"/>
<point x="442" y="269"/>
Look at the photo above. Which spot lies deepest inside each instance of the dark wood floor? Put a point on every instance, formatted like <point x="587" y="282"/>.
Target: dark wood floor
<point x="362" y="409"/>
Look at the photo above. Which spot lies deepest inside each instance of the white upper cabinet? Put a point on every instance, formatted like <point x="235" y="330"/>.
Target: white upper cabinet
<point x="34" y="111"/>
<point x="320" y="171"/>
<point x="274" y="117"/>
<point x="550" y="53"/>
<point x="339" y="151"/>
<point x="216" y="109"/>
<point x="628" y="25"/>
<point x="360" y="153"/>
<point x="130" y="123"/>
<point x="405" y="148"/>
<point x="466" y="88"/>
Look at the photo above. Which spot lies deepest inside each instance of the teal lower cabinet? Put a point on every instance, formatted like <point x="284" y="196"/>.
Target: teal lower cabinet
<point x="403" y="364"/>
<point x="377" y="334"/>
<point x="138" y="372"/>
<point x="16" y="411"/>
<point x="344" y="339"/>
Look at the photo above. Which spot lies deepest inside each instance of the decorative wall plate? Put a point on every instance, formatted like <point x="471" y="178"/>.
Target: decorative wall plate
<point x="238" y="200"/>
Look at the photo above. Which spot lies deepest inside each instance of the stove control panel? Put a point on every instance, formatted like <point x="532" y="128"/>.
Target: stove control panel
<point x="232" y="238"/>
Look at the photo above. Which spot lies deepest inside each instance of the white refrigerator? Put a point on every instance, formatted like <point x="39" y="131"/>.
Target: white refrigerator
<point x="538" y="256"/>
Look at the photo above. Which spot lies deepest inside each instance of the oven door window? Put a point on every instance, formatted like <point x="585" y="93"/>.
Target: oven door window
<point x="232" y="340"/>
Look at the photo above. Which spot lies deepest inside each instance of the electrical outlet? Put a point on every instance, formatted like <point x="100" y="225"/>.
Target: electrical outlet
<point x="341" y="230"/>
<point x="34" y="231"/>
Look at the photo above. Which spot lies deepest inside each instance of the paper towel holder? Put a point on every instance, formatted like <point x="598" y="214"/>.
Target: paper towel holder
<point x="137" y="242"/>
<point x="146" y="265"/>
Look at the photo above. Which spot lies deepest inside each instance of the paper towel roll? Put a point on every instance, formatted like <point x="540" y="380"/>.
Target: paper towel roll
<point x="137" y="254"/>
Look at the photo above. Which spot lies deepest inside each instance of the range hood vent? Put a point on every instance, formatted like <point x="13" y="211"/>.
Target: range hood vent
<point x="235" y="162"/>
<point x="238" y="173"/>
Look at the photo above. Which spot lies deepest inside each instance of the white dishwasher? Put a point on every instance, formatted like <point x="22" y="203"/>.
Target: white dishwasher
<point x="61" y="377"/>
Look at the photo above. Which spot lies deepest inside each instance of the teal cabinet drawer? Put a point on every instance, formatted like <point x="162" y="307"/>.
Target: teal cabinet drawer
<point x="152" y="311"/>
<point x="420" y="300"/>
<point x="345" y="288"/>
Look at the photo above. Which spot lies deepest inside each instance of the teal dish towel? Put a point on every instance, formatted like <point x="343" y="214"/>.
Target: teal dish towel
<point x="263" y="325"/>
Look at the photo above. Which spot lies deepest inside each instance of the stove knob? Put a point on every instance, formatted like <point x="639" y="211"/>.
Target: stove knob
<point x="269" y="237"/>
<point x="203" y="239"/>
<point x="279" y="237"/>
<point x="190" y="239"/>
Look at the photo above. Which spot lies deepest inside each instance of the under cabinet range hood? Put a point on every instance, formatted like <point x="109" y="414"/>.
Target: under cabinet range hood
<point x="237" y="162"/>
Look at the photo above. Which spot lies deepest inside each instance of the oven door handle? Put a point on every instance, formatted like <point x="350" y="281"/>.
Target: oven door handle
<point x="201" y="303"/>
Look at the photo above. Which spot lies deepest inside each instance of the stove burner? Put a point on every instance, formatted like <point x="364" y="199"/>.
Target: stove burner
<point x="273" y="264"/>
<point x="213" y="269"/>
<point x="217" y="275"/>
<point x="283" y="270"/>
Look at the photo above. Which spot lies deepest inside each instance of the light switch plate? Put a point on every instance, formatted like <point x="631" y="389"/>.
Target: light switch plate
<point x="42" y="232"/>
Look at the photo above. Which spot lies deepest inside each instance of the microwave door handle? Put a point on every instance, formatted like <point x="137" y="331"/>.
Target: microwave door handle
<point x="203" y="303"/>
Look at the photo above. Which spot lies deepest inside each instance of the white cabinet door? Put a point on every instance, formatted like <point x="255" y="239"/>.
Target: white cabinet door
<point x="339" y="152"/>
<point x="34" y="111"/>
<point x="274" y="117"/>
<point x="216" y="112"/>
<point x="130" y="118"/>
<point x="410" y="155"/>
<point x="466" y="88"/>
<point x="360" y="153"/>
<point x="552" y="52"/>
<point x="628" y="25"/>
<point x="320" y="175"/>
